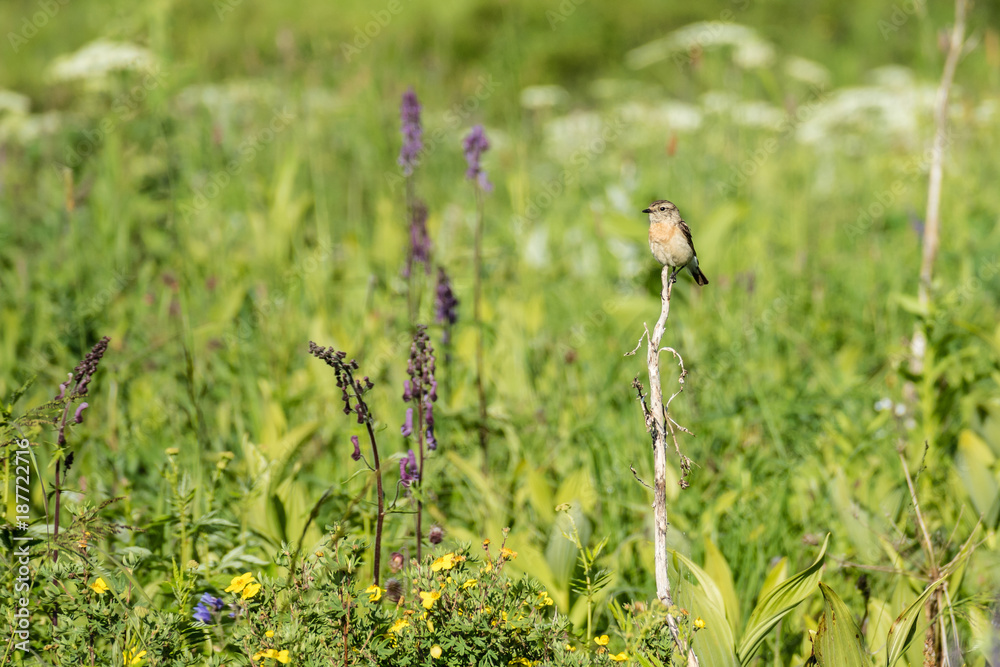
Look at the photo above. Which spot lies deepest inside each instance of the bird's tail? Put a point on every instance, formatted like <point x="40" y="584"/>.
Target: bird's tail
<point x="699" y="277"/>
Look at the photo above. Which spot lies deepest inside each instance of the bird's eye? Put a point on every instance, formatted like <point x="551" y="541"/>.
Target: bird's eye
<point x="663" y="208"/>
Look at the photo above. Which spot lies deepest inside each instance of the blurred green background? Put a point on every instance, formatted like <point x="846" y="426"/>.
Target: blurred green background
<point x="214" y="184"/>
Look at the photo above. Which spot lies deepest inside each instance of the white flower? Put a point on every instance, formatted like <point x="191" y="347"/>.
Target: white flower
<point x="754" y="113"/>
<point x="542" y="97"/>
<point x="807" y="71"/>
<point x="14" y="102"/>
<point x="98" y="59"/>
<point x="751" y="50"/>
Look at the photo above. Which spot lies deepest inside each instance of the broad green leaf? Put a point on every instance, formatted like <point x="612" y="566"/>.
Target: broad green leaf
<point x="775" y="576"/>
<point x="879" y="622"/>
<point x="838" y="642"/>
<point x="717" y="568"/>
<point x="974" y="463"/>
<point x="901" y="633"/>
<point x="714" y="644"/>
<point x="772" y="607"/>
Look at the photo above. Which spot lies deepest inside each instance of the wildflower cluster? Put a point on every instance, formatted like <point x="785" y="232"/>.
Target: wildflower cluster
<point x="445" y="305"/>
<point x="352" y="390"/>
<point x="475" y="144"/>
<point x="421" y="388"/>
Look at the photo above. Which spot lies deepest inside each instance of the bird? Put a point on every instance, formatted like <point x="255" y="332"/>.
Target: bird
<point x="670" y="240"/>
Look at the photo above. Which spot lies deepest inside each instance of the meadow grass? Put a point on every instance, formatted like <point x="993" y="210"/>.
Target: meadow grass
<point x="216" y="214"/>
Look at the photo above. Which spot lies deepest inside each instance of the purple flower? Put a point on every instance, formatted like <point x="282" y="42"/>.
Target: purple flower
<point x="409" y="112"/>
<point x="445" y="305"/>
<point x="211" y="601"/>
<point x="204" y="608"/>
<point x="78" y="416"/>
<point x="201" y="613"/>
<point x="420" y="239"/>
<point x="357" y="448"/>
<point x="408" y="470"/>
<point x="395" y="563"/>
<point x="436" y="535"/>
<point x="475" y="144"/>
<point x="407" y="428"/>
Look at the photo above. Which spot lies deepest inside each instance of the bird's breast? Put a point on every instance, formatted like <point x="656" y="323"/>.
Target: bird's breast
<point x="669" y="245"/>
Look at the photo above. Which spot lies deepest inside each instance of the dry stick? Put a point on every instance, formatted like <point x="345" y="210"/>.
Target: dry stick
<point x="656" y="426"/>
<point x="380" y="521"/>
<point x="932" y="221"/>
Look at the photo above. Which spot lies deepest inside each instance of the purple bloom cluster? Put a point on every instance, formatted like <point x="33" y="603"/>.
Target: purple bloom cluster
<point x="81" y="375"/>
<point x="352" y="390"/>
<point x="203" y="610"/>
<point x="421" y="388"/>
<point x="409" y="112"/>
<point x="420" y="239"/>
<point x="445" y="305"/>
<point x="475" y="144"/>
<point x="408" y="470"/>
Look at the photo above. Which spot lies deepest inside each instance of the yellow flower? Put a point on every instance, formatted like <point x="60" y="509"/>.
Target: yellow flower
<point x="699" y="623"/>
<point x="602" y="640"/>
<point x="399" y="625"/>
<point x="521" y="662"/>
<point x="445" y="562"/>
<point x="100" y="586"/>
<point x="544" y="600"/>
<point x="172" y="451"/>
<point x="374" y="593"/>
<point x="486" y="543"/>
<point x="319" y="554"/>
<point x="280" y="656"/>
<point x="269" y="633"/>
<point x="621" y="657"/>
<point x="570" y="648"/>
<point x="469" y="583"/>
<point x="133" y="658"/>
<point x="428" y="599"/>
<point x="239" y="583"/>
<point x="508" y="553"/>
<point x="250" y="591"/>
<point x="436" y="651"/>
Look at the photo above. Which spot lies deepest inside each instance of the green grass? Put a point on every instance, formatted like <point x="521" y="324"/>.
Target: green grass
<point x="803" y="328"/>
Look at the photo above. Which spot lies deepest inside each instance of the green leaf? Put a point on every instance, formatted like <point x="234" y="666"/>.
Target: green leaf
<point x="717" y="568"/>
<point x="773" y="606"/>
<point x="713" y="644"/>
<point x="901" y="632"/>
<point x="838" y="642"/>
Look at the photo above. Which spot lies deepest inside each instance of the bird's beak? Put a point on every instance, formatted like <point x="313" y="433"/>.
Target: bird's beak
<point x="646" y="210"/>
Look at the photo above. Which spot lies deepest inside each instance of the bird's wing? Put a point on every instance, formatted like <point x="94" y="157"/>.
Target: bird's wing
<point x="687" y="234"/>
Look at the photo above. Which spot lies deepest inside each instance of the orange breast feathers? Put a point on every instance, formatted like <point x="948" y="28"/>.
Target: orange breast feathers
<point x="669" y="245"/>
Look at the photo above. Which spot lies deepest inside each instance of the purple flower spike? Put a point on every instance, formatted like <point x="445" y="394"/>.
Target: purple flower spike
<point x="445" y="305"/>
<point x="408" y="470"/>
<point x="407" y="429"/>
<point x="357" y="448"/>
<point x="432" y="442"/>
<point x="409" y="112"/>
<point x="407" y="395"/>
<point x="78" y="416"/>
<point x="420" y="239"/>
<point x="475" y="144"/>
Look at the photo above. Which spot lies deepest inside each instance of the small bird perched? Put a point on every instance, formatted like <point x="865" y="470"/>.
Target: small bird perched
<point x="670" y="240"/>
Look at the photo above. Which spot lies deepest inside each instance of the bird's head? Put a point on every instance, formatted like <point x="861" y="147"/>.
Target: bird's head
<point x="661" y="210"/>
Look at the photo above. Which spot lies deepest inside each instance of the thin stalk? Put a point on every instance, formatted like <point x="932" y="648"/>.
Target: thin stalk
<point x="419" y="396"/>
<point x="380" y="520"/>
<point x="477" y="315"/>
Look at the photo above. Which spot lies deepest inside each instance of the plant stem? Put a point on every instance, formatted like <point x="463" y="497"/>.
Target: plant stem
<point x="932" y="219"/>
<point x="657" y="427"/>
<point x="477" y="315"/>
<point x="419" y="396"/>
<point x="380" y="520"/>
